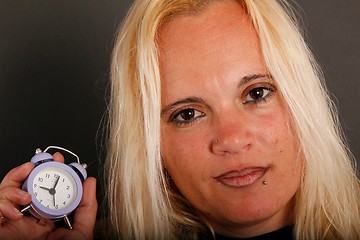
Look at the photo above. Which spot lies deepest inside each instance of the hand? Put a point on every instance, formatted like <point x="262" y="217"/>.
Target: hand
<point x="14" y="225"/>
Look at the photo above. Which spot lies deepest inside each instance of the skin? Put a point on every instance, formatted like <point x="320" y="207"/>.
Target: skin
<point x="17" y="226"/>
<point x="223" y="123"/>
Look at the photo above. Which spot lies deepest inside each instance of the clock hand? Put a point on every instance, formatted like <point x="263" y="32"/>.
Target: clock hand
<point x="53" y="191"/>
<point x="48" y="189"/>
<point x="56" y="182"/>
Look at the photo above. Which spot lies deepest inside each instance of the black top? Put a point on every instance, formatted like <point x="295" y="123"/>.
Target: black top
<point x="285" y="233"/>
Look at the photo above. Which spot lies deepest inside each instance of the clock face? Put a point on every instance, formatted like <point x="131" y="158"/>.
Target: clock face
<point x="54" y="188"/>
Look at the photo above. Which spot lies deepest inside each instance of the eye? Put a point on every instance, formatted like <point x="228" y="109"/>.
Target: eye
<point x="186" y="116"/>
<point x="258" y="94"/>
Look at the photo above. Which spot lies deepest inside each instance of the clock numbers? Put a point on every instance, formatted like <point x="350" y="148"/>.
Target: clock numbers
<point x="54" y="188"/>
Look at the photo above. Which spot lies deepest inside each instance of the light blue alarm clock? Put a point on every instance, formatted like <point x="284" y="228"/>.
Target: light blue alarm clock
<point x="56" y="188"/>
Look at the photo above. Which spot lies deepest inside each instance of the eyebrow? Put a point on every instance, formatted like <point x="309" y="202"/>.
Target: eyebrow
<point x="248" y="78"/>
<point x="167" y="108"/>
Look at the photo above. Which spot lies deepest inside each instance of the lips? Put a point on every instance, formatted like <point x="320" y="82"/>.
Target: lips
<point x="241" y="178"/>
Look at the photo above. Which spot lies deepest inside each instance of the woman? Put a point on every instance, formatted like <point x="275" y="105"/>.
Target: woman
<point x="214" y="130"/>
<point x="220" y="123"/>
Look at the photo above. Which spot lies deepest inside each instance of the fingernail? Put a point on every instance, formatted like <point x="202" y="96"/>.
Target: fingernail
<point x="17" y="212"/>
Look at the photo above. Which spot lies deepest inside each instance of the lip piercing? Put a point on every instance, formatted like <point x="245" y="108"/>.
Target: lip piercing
<point x="264" y="182"/>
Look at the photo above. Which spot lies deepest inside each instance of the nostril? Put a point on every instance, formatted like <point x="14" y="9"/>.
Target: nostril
<point x="231" y="144"/>
<point x="247" y="147"/>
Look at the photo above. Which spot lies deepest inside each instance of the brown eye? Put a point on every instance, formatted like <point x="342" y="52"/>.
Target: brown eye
<point x="256" y="93"/>
<point x="187" y="116"/>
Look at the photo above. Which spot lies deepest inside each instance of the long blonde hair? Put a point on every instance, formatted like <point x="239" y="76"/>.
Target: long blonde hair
<point x="141" y="203"/>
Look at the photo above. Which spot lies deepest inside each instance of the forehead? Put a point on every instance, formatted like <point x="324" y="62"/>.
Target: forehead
<point x="202" y="22"/>
<point x="221" y="28"/>
<point x="216" y="46"/>
<point x="219" y="23"/>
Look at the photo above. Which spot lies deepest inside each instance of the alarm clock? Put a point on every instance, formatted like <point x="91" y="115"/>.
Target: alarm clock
<point x="55" y="188"/>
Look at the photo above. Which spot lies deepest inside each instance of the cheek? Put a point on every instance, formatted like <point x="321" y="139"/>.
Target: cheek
<point x="277" y="131"/>
<point x="181" y="150"/>
<point x="186" y="158"/>
<point x="284" y="146"/>
<point x="182" y="160"/>
<point x="278" y="139"/>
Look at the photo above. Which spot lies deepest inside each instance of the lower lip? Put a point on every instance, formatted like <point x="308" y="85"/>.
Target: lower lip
<point x="239" y="180"/>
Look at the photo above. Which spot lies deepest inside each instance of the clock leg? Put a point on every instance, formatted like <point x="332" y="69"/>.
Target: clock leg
<point x="26" y="208"/>
<point x="42" y="221"/>
<point x="67" y="221"/>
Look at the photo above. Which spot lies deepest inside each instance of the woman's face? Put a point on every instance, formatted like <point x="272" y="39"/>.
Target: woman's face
<point x="225" y="138"/>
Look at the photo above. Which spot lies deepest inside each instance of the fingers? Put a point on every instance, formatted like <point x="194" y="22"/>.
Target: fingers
<point x="10" y="194"/>
<point x="16" y="176"/>
<point x="85" y="215"/>
<point x="58" y="157"/>
<point x="25" y="228"/>
<point x="11" y="212"/>
<point x="10" y="198"/>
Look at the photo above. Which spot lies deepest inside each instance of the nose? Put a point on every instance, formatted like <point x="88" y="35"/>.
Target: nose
<point x="232" y="135"/>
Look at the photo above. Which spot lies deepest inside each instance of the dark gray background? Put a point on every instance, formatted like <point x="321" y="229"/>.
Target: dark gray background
<point x="54" y="64"/>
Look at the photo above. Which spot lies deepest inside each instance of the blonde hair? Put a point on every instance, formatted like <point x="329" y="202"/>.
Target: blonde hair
<point x="142" y="204"/>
